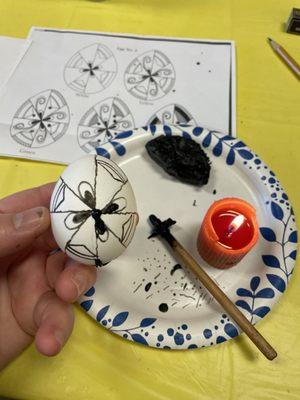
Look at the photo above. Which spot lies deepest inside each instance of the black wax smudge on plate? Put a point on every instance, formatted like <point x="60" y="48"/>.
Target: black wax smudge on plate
<point x="175" y="268"/>
<point x="163" y="307"/>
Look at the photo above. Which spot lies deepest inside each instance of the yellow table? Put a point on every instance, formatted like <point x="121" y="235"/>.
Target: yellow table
<point x="96" y="364"/>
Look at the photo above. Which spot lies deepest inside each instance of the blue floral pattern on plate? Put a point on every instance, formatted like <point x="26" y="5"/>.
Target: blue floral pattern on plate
<point x="257" y="297"/>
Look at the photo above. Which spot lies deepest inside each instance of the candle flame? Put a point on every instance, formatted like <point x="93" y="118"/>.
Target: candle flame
<point x="236" y="223"/>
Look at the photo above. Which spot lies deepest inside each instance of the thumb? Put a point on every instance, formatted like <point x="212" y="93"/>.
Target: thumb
<point x="18" y="231"/>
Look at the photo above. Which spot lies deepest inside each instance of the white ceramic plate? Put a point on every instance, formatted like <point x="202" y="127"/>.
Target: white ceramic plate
<point x="146" y="295"/>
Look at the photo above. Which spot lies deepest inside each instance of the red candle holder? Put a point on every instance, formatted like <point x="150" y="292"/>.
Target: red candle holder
<point x="228" y="232"/>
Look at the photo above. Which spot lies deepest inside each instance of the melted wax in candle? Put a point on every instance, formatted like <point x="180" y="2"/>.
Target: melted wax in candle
<point x="230" y="236"/>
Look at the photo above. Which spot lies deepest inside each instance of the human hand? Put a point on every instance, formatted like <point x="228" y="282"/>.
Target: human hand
<point x="36" y="285"/>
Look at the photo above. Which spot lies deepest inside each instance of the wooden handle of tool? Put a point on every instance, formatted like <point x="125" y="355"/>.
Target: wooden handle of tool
<point x="225" y="302"/>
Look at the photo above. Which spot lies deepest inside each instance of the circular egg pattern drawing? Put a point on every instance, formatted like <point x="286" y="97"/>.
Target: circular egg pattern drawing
<point x="101" y="123"/>
<point x="41" y="120"/>
<point x="150" y="76"/>
<point x="173" y="115"/>
<point x="91" y="69"/>
<point x="93" y="211"/>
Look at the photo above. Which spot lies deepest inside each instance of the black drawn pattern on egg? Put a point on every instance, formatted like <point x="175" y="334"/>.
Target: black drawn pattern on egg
<point x="87" y="213"/>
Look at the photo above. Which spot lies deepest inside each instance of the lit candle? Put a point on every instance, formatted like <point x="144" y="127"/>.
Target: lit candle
<point x="228" y="232"/>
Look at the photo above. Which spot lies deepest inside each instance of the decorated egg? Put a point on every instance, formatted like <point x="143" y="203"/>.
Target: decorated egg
<point x="93" y="210"/>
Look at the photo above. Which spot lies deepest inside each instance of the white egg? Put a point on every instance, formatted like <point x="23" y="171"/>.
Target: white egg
<point x="93" y="210"/>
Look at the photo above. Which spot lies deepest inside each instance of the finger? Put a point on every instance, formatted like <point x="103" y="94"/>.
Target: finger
<point x="18" y="231"/>
<point x="27" y="282"/>
<point x="46" y="241"/>
<point x="13" y="339"/>
<point x="75" y="280"/>
<point x="43" y="243"/>
<point x="30" y="198"/>
<point x="54" y="319"/>
<point x="54" y="267"/>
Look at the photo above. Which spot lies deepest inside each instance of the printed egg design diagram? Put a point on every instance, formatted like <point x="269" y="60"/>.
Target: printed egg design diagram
<point x="150" y="76"/>
<point x="93" y="211"/>
<point x="42" y="120"/>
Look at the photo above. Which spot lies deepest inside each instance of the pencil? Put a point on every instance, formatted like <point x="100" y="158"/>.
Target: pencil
<point x="285" y="56"/>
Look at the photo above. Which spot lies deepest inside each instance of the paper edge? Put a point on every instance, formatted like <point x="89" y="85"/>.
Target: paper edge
<point x="233" y="91"/>
<point x="124" y="34"/>
<point x="28" y="42"/>
<point x="6" y="154"/>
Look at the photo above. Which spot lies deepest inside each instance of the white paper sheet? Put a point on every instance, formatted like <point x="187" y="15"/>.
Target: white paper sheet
<point x="11" y="49"/>
<point x="74" y="90"/>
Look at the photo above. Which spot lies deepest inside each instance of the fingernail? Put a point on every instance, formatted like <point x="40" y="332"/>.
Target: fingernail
<point x="79" y="282"/>
<point x="59" y="336"/>
<point x="77" y="278"/>
<point x="29" y="219"/>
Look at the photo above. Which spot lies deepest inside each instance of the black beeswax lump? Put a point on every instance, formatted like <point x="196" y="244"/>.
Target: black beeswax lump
<point x="180" y="157"/>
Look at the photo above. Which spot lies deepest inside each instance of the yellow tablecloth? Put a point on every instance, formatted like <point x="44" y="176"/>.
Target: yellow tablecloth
<point x="96" y="364"/>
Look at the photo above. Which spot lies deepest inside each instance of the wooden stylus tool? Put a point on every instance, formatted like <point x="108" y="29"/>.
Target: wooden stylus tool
<point x="162" y="229"/>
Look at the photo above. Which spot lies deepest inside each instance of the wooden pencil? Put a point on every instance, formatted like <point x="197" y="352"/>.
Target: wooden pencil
<point x="285" y="57"/>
